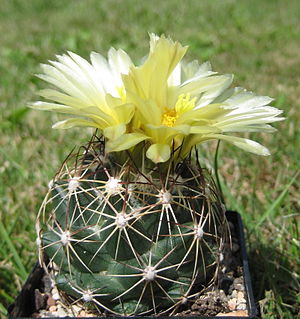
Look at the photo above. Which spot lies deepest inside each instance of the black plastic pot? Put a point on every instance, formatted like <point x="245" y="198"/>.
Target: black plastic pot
<point x="24" y="305"/>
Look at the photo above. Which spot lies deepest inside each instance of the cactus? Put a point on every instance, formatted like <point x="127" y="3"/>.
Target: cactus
<point x="131" y="223"/>
<point x="127" y="238"/>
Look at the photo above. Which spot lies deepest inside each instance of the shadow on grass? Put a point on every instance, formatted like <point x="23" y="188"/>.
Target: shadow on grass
<point x="275" y="282"/>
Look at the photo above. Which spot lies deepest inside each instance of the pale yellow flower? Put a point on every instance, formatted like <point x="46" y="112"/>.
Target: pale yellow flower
<point x="93" y="93"/>
<point x="181" y="104"/>
<point x="169" y="104"/>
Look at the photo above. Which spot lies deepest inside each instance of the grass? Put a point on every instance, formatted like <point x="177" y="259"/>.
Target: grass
<point x="256" y="40"/>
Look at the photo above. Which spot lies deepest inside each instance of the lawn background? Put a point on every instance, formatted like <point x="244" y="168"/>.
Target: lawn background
<point x="257" y="40"/>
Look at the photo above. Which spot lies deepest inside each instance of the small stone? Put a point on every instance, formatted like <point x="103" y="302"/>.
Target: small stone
<point x="239" y="287"/>
<point x="242" y="300"/>
<point x="82" y="313"/>
<point x="85" y="314"/>
<point x="234" y="294"/>
<point x="52" y="308"/>
<point x="61" y="312"/>
<point x="241" y="306"/>
<point x="238" y="284"/>
<point x="232" y="304"/>
<point x="56" y="296"/>
<point x="233" y="314"/>
<point x="240" y="295"/>
<point x="76" y="309"/>
<point x="50" y="302"/>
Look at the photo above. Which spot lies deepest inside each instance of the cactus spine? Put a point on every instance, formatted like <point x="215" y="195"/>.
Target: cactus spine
<point x="130" y="238"/>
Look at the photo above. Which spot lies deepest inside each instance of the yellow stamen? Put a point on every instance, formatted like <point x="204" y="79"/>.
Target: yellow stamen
<point x="169" y="117"/>
<point x="185" y="103"/>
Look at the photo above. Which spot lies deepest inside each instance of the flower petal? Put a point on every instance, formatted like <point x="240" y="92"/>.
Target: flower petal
<point x="119" y="62"/>
<point x="68" y="123"/>
<point x="124" y="112"/>
<point x="208" y="88"/>
<point x="114" y="132"/>
<point x="204" y="129"/>
<point x="243" y="143"/>
<point x="206" y="114"/>
<point x="165" y="134"/>
<point x="159" y="153"/>
<point x="149" y="81"/>
<point x="149" y="112"/>
<point x="124" y="142"/>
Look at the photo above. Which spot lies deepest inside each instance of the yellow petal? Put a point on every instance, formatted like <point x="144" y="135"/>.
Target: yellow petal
<point x="209" y="87"/>
<point x="165" y="134"/>
<point x="114" y="132"/>
<point x="159" y="153"/>
<point x="149" y="112"/>
<point x="46" y="106"/>
<point x="149" y="81"/>
<point x="243" y="143"/>
<point x="93" y="113"/>
<point x="204" y="129"/>
<point x="190" y="141"/>
<point x="73" y="122"/>
<point x="62" y="98"/>
<point x="207" y="113"/>
<point x="124" y="112"/>
<point x="124" y="142"/>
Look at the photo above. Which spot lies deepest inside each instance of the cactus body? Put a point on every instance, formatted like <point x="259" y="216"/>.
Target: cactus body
<point x="130" y="239"/>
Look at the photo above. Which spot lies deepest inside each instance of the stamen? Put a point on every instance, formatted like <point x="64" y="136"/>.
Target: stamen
<point x="183" y="104"/>
<point x="169" y="117"/>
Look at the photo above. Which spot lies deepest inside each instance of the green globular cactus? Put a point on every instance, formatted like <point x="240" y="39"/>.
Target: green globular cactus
<point x="131" y="223"/>
<point x="127" y="238"/>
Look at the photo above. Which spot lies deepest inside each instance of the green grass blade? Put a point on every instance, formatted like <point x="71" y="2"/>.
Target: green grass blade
<point x="3" y="310"/>
<point x="276" y="203"/>
<point x="20" y="267"/>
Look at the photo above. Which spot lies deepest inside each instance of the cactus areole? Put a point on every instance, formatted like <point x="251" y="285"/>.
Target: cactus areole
<point x="131" y="239"/>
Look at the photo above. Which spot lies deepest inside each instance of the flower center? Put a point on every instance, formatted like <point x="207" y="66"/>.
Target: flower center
<point x="183" y="104"/>
<point x="169" y="117"/>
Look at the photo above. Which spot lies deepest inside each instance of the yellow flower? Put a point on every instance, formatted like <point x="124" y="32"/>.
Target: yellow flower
<point x="93" y="93"/>
<point x="168" y="103"/>
<point x="181" y="104"/>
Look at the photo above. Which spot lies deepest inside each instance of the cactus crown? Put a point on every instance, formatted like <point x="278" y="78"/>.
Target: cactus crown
<point x="131" y="239"/>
